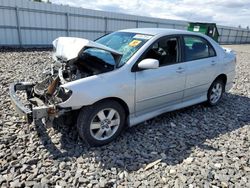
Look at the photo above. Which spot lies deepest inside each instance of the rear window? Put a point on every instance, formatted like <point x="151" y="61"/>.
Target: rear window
<point x="197" y="48"/>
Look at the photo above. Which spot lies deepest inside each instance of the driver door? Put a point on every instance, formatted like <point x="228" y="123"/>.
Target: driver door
<point x="164" y="86"/>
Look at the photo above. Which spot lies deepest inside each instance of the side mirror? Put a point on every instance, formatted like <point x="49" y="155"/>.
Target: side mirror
<point x="148" y="64"/>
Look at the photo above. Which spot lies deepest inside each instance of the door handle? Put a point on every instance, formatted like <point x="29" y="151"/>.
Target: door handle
<point x="180" y="70"/>
<point x="213" y="63"/>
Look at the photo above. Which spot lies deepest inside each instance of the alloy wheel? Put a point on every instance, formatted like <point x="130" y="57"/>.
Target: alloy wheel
<point x="105" y="124"/>
<point x="216" y="93"/>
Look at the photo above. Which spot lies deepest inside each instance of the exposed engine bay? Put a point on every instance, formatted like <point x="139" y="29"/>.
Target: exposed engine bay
<point x="70" y="65"/>
<point x="61" y="72"/>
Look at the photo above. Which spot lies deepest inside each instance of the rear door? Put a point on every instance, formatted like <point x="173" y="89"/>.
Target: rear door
<point x="201" y="59"/>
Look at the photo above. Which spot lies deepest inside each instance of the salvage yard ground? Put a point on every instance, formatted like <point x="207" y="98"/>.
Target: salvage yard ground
<point x="194" y="147"/>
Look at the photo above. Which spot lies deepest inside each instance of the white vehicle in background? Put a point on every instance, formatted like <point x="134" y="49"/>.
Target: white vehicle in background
<point x="127" y="77"/>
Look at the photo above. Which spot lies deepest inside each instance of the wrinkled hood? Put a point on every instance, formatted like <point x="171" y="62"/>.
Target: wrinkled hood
<point x="68" y="48"/>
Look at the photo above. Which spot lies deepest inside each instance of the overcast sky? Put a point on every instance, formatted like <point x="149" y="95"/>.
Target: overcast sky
<point x="224" y="12"/>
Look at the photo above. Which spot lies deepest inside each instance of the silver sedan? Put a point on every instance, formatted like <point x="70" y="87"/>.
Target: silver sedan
<point x="125" y="78"/>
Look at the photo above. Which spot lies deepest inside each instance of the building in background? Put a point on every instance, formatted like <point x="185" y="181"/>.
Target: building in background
<point x="25" y="23"/>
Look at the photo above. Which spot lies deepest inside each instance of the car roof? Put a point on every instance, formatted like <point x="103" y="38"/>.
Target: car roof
<point x="157" y="31"/>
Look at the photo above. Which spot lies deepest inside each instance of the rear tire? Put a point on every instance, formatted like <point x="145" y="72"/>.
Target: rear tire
<point x="215" y="92"/>
<point x="101" y="123"/>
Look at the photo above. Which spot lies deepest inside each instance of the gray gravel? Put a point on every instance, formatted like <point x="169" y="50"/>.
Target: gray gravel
<point x="194" y="147"/>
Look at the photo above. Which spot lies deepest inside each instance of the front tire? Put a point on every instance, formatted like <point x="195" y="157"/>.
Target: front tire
<point x="215" y="92"/>
<point x="101" y="123"/>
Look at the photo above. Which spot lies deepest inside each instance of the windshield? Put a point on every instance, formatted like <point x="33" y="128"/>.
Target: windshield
<point x="126" y="43"/>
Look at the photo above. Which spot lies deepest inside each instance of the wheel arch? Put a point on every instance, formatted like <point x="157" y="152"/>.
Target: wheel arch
<point x="120" y="101"/>
<point x="84" y="120"/>
<point x="222" y="77"/>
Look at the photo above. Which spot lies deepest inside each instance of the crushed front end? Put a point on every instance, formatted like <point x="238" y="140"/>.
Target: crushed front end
<point x="74" y="59"/>
<point x="42" y="99"/>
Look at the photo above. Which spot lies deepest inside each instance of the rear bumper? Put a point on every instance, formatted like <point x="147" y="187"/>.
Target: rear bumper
<point x="229" y="86"/>
<point x="230" y="80"/>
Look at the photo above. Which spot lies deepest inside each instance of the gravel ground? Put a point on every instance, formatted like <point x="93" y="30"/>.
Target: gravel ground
<point x="194" y="147"/>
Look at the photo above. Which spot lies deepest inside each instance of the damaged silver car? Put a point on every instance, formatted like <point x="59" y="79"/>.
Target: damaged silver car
<point x="125" y="78"/>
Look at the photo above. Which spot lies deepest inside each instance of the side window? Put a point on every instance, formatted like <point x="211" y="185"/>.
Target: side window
<point x="165" y="51"/>
<point x="197" y="48"/>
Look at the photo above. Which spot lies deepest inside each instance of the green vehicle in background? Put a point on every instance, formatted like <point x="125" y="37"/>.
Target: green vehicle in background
<point x="209" y="29"/>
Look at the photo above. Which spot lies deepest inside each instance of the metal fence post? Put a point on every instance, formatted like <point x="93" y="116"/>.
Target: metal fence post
<point x="248" y="36"/>
<point x="228" y="37"/>
<point x="67" y="23"/>
<point x="220" y="38"/>
<point x="137" y="23"/>
<point x="242" y="32"/>
<point x="235" y="41"/>
<point x="18" y="27"/>
<point x="105" y="25"/>
<point x="157" y="24"/>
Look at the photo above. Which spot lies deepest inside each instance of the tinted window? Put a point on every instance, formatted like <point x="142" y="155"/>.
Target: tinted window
<point x="164" y="50"/>
<point x="197" y="48"/>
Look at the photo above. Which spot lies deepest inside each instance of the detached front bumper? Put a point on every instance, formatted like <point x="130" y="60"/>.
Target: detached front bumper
<point x="28" y="112"/>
